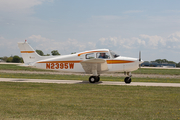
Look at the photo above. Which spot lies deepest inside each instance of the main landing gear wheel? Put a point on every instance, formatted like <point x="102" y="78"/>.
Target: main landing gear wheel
<point x="97" y="78"/>
<point x="93" y="79"/>
<point x="127" y="80"/>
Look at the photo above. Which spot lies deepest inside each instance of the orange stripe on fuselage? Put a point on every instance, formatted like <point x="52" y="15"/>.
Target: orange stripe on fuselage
<point x="108" y="61"/>
<point x="118" y="61"/>
<point x="61" y="61"/>
<point x="90" y="52"/>
<point x="27" y="51"/>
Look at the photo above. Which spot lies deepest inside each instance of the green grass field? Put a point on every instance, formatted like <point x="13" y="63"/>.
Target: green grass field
<point x="88" y="101"/>
<point x="157" y="71"/>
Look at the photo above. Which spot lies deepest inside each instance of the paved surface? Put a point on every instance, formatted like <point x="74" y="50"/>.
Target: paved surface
<point x="86" y="82"/>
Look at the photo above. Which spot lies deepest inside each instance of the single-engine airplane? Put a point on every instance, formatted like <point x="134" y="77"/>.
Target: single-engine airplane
<point x="94" y="62"/>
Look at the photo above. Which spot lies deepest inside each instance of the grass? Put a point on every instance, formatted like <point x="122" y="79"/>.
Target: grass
<point x="79" y="77"/>
<point x="41" y="101"/>
<point x="88" y="101"/>
<point x="157" y="71"/>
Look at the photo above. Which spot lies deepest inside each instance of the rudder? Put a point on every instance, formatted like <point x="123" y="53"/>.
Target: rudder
<point x="29" y="55"/>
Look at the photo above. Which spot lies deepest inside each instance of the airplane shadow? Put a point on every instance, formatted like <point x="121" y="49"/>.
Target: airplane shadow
<point x="87" y="82"/>
<point x="18" y="80"/>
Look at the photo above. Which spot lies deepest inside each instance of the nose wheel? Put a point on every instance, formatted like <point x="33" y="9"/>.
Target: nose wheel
<point x="127" y="80"/>
<point x="93" y="79"/>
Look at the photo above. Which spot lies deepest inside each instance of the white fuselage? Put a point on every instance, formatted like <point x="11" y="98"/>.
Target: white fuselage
<point x="72" y="63"/>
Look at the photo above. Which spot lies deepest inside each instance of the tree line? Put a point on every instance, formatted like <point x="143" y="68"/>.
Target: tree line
<point x="160" y="61"/>
<point x="13" y="59"/>
<point x="17" y="59"/>
<point x="54" y="52"/>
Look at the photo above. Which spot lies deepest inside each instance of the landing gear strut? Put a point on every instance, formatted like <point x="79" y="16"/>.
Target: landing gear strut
<point x="127" y="80"/>
<point x="93" y="79"/>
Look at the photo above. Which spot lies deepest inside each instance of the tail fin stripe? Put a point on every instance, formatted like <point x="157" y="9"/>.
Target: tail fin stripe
<point x="27" y="51"/>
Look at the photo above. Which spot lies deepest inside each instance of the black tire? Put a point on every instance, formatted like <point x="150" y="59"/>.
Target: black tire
<point x="92" y="79"/>
<point x="127" y="80"/>
<point x="97" y="78"/>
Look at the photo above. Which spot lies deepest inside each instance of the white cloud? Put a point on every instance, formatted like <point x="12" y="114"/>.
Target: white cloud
<point x="91" y="45"/>
<point x="139" y="41"/>
<point x="154" y="41"/>
<point x="69" y="45"/>
<point x="145" y="41"/>
<point x="128" y="43"/>
<point x="73" y="43"/>
<point x="111" y="41"/>
<point x="102" y="40"/>
<point x="19" y="6"/>
<point x="114" y="40"/>
<point x="39" y="38"/>
<point x="174" y="37"/>
<point x="115" y="43"/>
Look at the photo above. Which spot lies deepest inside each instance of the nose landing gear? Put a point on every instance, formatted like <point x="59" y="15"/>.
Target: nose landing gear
<point x="127" y="80"/>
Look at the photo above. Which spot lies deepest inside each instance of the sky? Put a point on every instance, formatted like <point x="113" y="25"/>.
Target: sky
<point x="124" y="26"/>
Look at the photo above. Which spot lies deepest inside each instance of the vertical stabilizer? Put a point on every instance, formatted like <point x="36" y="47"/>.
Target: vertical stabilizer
<point x="29" y="55"/>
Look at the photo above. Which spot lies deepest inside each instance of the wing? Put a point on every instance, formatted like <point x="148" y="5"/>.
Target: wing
<point x="94" y="66"/>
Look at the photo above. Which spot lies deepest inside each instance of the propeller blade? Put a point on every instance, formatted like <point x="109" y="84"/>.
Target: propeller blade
<point x="139" y="55"/>
<point x="139" y="59"/>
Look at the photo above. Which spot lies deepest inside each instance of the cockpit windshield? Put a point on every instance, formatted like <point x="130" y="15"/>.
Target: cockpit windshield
<point x="113" y="54"/>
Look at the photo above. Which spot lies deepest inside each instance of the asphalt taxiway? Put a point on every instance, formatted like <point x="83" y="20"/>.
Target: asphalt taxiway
<point x="86" y="82"/>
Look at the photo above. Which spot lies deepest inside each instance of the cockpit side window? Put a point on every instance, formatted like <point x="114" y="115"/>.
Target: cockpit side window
<point x="113" y="54"/>
<point x="104" y="55"/>
<point x="90" y="56"/>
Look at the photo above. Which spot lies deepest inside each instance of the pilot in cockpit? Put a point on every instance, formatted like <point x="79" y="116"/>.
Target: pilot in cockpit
<point x="102" y="55"/>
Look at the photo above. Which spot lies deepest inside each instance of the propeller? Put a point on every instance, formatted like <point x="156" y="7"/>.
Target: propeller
<point x="139" y="56"/>
<point x="139" y="59"/>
